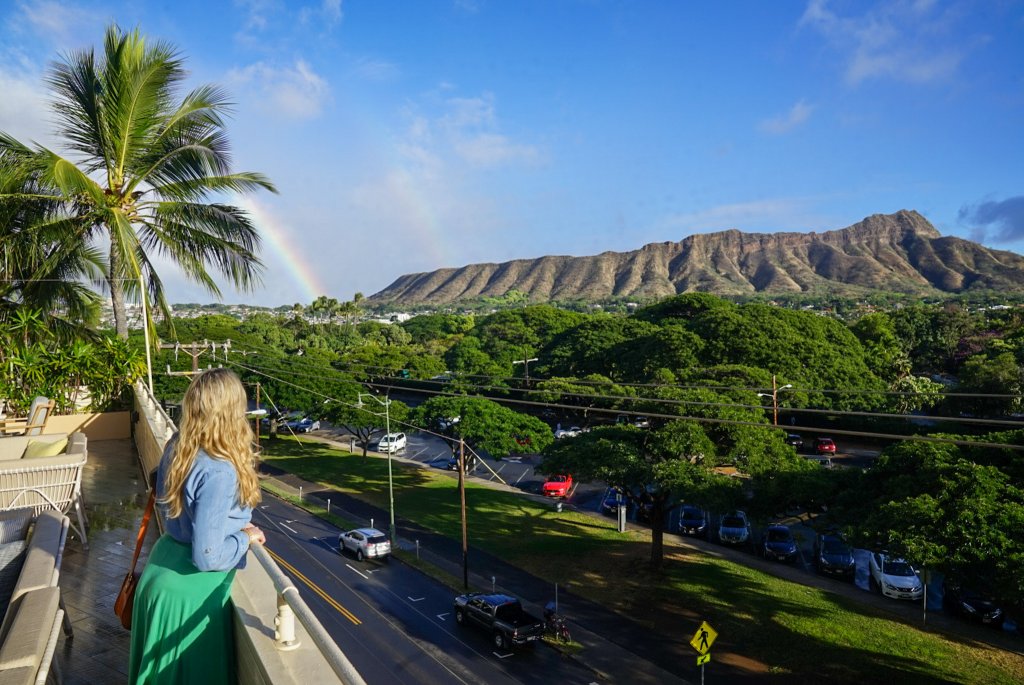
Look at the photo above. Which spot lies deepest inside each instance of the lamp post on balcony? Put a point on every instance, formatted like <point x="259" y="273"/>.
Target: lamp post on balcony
<point x="386" y="402"/>
<point x="775" y="398"/>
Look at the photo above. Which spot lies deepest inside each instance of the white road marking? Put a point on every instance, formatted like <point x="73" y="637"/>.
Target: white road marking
<point x="502" y="656"/>
<point x="358" y="571"/>
<point x="416" y="599"/>
<point x="520" y="477"/>
<point x="285" y="525"/>
<point x="442" y="616"/>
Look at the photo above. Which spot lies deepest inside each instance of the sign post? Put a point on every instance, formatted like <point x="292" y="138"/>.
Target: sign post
<point x="701" y="643"/>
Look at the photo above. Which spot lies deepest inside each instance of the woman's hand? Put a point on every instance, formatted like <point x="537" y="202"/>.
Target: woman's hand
<point x="256" y="536"/>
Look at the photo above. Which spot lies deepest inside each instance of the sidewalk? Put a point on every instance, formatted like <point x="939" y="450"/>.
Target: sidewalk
<point x="616" y="649"/>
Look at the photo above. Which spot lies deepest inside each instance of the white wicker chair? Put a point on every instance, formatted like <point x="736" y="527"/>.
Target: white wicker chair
<point x="45" y="483"/>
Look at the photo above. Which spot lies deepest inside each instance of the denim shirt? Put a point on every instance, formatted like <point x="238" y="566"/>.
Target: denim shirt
<point x="211" y="517"/>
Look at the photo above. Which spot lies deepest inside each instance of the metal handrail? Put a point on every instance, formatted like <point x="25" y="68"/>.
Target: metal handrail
<point x="340" y="664"/>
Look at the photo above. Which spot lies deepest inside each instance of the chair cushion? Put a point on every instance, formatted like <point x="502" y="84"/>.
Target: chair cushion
<point x="12" y="557"/>
<point x="40" y="448"/>
<point x="14" y="524"/>
<point x="25" y="642"/>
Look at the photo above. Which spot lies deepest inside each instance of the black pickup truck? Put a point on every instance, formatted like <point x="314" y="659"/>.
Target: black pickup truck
<point x="500" y="615"/>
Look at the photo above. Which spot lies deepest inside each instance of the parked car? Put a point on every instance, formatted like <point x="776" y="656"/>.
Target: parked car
<point x="392" y="442"/>
<point x="833" y="556"/>
<point x="824" y="446"/>
<point x="894" y="577"/>
<point x="557" y="486"/>
<point x="734" y="528"/>
<point x="821" y="460"/>
<point x="629" y="419"/>
<point x="971" y="603"/>
<point x="795" y="441"/>
<point x="304" y="425"/>
<point x="568" y="432"/>
<point x="500" y="615"/>
<point x="693" y="521"/>
<point x="777" y="543"/>
<point x="365" y="543"/>
<point x="610" y="502"/>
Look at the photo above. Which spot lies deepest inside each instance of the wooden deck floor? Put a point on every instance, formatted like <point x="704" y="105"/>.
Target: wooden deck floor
<point x="114" y="493"/>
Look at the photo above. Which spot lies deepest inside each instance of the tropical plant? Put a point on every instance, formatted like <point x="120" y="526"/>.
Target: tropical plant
<point x="147" y="166"/>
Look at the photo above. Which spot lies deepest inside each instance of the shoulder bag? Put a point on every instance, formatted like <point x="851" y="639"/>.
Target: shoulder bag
<point x="126" y="597"/>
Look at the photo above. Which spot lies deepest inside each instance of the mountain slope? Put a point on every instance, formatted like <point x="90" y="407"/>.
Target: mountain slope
<point x="899" y="252"/>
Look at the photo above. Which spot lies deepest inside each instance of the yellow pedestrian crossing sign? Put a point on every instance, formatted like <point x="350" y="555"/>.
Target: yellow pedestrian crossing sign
<point x="703" y="638"/>
<point x="703" y="659"/>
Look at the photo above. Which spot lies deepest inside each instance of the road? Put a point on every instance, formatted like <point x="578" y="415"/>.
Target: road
<point x="393" y="622"/>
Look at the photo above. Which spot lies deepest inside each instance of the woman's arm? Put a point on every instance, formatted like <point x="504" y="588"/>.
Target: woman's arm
<point x="217" y="543"/>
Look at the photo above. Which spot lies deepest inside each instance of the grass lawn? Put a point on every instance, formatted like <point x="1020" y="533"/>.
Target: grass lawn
<point x="764" y="623"/>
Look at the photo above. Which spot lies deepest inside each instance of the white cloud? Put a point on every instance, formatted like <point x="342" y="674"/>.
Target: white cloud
<point x="784" y="123"/>
<point x="905" y="40"/>
<point x="58" y="22"/>
<point x="295" y="92"/>
<point x="777" y="214"/>
<point x="375" y="69"/>
<point x="493" y="149"/>
<point x="24" y="110"/>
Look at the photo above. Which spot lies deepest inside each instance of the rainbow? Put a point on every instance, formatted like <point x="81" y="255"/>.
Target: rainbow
<point x="276" y="235"/>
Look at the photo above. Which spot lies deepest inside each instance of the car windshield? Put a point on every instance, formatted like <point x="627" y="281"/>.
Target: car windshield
<point x="556" y="479"/>
<point x="732" y="522"/>
<point x="825" y="443"/>
<point x="376" y="539"/>
<point x="833" y="546"/>
<point x="897" y="568"/>
<point x="778" y="535"/>
<point x="692" y="513"/>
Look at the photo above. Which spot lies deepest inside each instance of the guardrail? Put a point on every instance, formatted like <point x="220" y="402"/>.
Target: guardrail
<point x="290" y="661"/>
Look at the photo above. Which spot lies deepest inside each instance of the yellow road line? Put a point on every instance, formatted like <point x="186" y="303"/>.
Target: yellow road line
<point x="316" y="588"/>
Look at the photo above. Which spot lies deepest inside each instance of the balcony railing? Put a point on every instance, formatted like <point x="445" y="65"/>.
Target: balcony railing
<point x="266" y="601"/>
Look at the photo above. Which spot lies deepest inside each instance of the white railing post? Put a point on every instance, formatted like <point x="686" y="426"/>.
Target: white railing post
<point x="284" y="623"/>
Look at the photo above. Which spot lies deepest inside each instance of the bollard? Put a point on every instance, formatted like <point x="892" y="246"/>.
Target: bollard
<point x="300" y="493"/>
<point x="558" y="507"/>
<point x="493" y="581"/>
<point x="351" y="445"/>
<point x="284" y="625"/>
<point x="328" y="506"/>
<point x="417" y="549"/>
<point x="371" y="523"/>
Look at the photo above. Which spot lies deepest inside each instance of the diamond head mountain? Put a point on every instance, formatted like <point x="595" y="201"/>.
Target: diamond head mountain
<point x="899" y="252"/>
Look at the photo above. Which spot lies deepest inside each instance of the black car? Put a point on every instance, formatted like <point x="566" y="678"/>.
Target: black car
<point x="833" y="556"/>
<point x="795" y="440"/>
<point x="972" y="603"/>
<point x="777" y="543"/>
<point x="693" y="521"/>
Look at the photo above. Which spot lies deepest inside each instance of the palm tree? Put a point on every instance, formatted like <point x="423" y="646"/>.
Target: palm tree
<point x="146" y="165"/>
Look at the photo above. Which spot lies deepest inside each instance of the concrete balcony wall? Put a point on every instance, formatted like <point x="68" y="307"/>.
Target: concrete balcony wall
<point x="253" y="593"/>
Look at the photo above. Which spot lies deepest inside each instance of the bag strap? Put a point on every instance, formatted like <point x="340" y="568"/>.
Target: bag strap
<point x="143" y="528"/>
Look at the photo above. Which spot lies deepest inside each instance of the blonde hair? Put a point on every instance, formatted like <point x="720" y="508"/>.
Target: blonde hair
<point x="213" y="419"/>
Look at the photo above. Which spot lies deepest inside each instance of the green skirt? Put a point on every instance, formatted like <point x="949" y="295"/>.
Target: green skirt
<point x="182" y="623"/>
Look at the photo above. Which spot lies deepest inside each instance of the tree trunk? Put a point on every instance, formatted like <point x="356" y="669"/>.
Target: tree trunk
<point x="117" y="294"/>
<point x="657" y="534"/>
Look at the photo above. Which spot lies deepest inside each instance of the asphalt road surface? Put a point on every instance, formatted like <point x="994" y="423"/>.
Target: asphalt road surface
<point x="394" y="623"/>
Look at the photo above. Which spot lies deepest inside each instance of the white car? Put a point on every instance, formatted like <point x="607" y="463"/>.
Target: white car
<point x="568" y="432"/>
<point x="304" y="425"/>
<point x="895" y="577"/>
<point x="365" y="543"/>
<point x="392" y="442"/>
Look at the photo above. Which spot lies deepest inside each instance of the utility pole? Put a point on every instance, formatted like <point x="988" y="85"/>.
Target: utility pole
<point x="526" y="368"/>
<point x="194" y="350"/>
<point x="257" y="419"/>
<point x="462" y="506"/>
<point x="775" y="399"/>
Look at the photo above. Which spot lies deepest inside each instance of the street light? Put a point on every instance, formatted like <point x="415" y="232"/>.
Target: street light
<point x="775" y="398"/>
<point x="387" y="426"/>
<point x="526" y="367"/>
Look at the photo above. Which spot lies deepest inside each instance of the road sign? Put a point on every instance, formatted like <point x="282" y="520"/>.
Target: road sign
<point x="703" y="638"/>
<point x="703" y="659"/>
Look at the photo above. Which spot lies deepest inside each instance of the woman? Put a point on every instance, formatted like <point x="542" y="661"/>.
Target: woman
<point x="206" y="488"/>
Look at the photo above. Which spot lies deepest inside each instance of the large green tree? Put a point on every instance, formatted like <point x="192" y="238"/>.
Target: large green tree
<point x="143" y="170"/>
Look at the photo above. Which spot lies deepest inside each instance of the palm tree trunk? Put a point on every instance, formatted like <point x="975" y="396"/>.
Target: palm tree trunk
<point x="117" y="294"/>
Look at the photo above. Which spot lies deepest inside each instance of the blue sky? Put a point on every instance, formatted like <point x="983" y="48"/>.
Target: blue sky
<point x="409" y="136"/>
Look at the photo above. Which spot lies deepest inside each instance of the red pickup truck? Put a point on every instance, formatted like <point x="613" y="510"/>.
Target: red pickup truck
<point x="558" y="486"/>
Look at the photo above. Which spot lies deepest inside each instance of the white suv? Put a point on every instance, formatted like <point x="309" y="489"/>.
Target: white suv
<point x="895" y="577"/>
<point x="365" y="543"/>
<point x="392" y="442"/>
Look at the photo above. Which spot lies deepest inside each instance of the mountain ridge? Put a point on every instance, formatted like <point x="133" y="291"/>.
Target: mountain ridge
<point x="900" y="252"/>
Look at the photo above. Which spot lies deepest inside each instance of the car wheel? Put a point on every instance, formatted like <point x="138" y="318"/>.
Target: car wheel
<point x="359" y="555"/>
<point x="460" y="617"/>
<point x="499" y="640"/>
